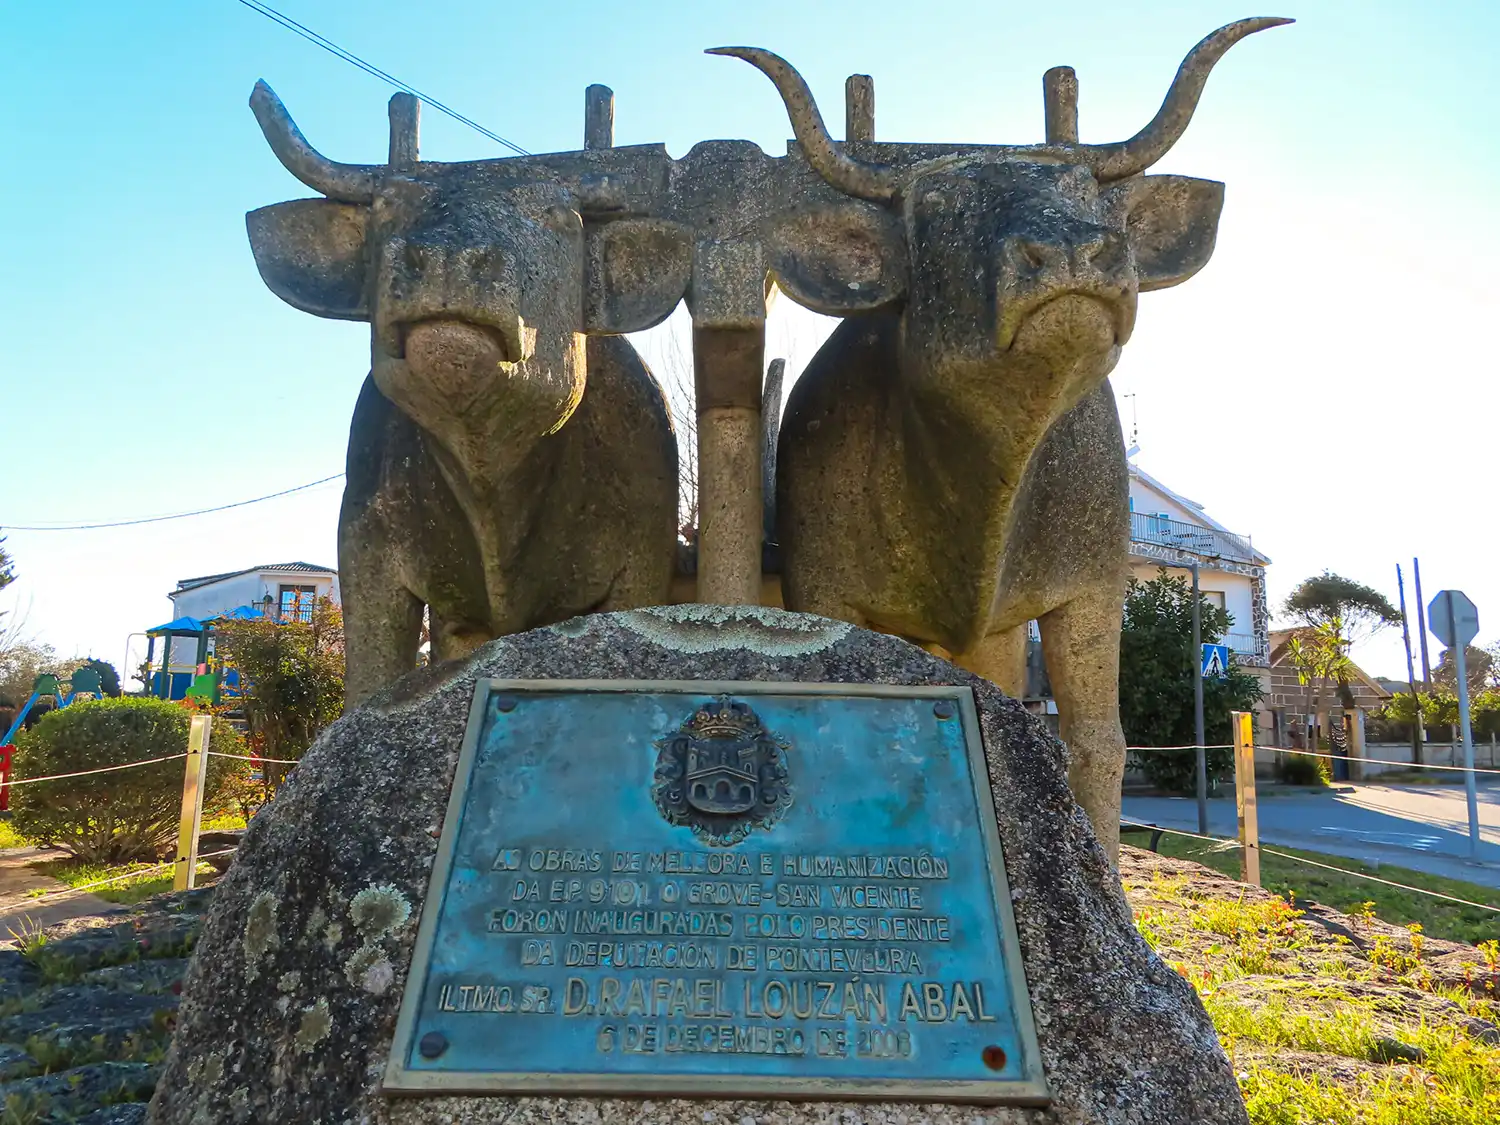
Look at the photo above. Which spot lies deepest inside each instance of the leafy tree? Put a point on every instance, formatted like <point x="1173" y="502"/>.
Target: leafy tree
<point x="21" y="662"/>
<point x="7" y="566"/>
<point x="1478" y="667"/>
<point x="1320" y="655"/>
<point x="124" y="814"/>
<point x="1360" y="610"/>
<point x="1157" y="666"/>
<point x="109" y="679"/>
<point x="291" y="679"/>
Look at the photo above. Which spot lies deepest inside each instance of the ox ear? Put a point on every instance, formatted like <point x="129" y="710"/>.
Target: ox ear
<point x="311" y="254"/>
<point x="638" y="269"/>
<point x="1172" y="222"/>
<point x="839" y="259"/>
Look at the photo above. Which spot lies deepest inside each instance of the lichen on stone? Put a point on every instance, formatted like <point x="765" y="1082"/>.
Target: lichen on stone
<point x="314" y="1025"/>
<point x="378" y="977"/>
<point x="572" y="627"/>
<point x="332" y="936"/>
<point x="260" y="932"/>
<point x="239" y="1104"/>
<point x="697" y="628"/>
<point x="364" y="960"/>
<point x="289" y="980"/>
<point x="377" y="911"/>
<point x="206" y="1070"/>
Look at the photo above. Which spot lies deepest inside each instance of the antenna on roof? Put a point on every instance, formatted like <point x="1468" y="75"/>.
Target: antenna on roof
<point x="1135" y="429"/>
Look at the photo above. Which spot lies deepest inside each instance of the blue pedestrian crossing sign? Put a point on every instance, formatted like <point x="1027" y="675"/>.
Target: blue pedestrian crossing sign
<point x="1215" y="662"/>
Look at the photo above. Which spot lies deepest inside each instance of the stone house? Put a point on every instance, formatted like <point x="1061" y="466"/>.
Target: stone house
<point x="287" y="589"/>
<point x="1167" y="530"/>
<point x="1286" y="700"/>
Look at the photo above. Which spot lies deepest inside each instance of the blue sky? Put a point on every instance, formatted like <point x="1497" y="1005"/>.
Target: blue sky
<point x="1326" y="385"/>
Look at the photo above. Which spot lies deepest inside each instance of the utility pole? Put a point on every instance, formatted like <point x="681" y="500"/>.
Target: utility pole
<point x="1416" y="575"/>
<point x="1411" y="676"/>
<point x="1200" y="752"/>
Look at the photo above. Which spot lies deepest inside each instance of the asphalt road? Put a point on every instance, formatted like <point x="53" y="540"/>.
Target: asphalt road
<point x="1424" y="827"/>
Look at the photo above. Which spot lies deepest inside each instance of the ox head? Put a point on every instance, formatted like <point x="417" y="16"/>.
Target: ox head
<point x="471" y="276"/>
<point x="1024" y="262"/>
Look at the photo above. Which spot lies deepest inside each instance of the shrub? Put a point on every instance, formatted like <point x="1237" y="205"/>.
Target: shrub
<point x="125" y="814"/>
<point x="1303" y="769"/>
<point x="1176" y="771"/>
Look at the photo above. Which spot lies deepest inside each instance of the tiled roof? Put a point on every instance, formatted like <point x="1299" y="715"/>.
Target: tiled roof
<point x="286" y="567"/>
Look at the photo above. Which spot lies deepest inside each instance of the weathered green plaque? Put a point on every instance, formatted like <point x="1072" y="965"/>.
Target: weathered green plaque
<point x="719" y="889"/>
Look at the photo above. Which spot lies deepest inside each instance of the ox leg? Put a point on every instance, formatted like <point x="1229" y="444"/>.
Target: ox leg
<point x="453" y="640"/>
<point x="382" y="627"/>
<point x="1001" y="659"/>
<point x="1081" y="644"/>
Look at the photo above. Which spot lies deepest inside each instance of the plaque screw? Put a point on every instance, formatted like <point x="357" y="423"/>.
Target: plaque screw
<point x="943" y="708"/>
<point x="506" y="702"/>
<point x="994" y="1057"/>
<point x="434" y="1043"/>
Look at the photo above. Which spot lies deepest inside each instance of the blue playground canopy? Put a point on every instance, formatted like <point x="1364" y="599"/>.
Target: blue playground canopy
<point x="177" y="684"/>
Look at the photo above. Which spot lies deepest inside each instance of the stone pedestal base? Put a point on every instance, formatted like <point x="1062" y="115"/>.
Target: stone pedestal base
<point x="291" y="1001"/>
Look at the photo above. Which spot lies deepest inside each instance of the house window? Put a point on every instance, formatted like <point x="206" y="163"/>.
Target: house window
<point x="296" y="602"/>
<point x="1214" y="597"/>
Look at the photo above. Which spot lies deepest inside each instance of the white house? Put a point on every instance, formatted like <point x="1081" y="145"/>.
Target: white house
<point x="288" y="589"/>
<point x="1169" y="530"/>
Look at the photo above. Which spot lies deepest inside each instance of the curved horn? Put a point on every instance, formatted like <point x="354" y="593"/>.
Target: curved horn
<point x="1126" y="158"/>
<point x="850" y="176"/>
<point x="348" y="183"/>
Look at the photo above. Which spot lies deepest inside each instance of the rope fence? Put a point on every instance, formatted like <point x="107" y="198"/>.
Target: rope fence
<point x="150" y="762"/>
<point x="136" y="874"/>
<point x="101" y="769"/>
<point x="1331" y="757"/>
<point x="1226" y="844"/>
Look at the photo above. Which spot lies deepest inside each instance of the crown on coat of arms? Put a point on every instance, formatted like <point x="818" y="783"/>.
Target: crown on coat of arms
<point x="723" y="718"/>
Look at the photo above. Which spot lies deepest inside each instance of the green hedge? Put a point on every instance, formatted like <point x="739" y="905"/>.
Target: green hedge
<point x="125" y="814"/>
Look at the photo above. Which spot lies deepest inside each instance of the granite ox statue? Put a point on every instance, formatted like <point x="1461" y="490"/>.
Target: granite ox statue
<point x="504" y="470"/>
<point x="953" y="468"/>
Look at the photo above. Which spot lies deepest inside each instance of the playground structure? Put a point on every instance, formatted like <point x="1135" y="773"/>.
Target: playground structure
<point x="47" y="693"/>
<point x="203" y="678"/>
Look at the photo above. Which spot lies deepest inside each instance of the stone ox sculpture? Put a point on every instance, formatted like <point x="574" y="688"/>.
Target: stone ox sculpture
<point x="953" y="468"/>
<point x="504" y="470"/>
<point x="950" y="465"/>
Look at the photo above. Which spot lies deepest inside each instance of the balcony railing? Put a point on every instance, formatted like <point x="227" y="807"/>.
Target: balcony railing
<point x="1242" y="644"/>
<point x="1189" y="538"/>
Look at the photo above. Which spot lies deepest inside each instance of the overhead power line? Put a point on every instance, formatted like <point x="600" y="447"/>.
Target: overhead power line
<point x="175" y="515"/>
<point x="374" y="71"/>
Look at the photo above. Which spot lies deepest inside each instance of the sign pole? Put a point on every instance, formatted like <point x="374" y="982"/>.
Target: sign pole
<point x="1201" y="754"/>
<point x="1460" y="664"/>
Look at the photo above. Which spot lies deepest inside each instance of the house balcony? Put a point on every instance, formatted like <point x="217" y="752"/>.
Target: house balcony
<point x="1190" y="539"/>
<point x="1242" y="644"/>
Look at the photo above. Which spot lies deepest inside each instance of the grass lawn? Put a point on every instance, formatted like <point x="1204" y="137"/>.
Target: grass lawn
<point x="1382" y="1027"/>
<point x="1349" y="893"/>
<point x="128" y="886"/>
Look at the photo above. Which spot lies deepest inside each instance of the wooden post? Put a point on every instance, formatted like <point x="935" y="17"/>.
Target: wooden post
<point x="194" y="776"/>
<point x="1242" y="723"/>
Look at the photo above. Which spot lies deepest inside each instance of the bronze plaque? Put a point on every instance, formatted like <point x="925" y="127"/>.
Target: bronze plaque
<point x="719" y="889"/>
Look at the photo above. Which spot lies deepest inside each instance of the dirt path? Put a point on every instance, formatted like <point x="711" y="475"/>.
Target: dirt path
<point x="18" y="911"/>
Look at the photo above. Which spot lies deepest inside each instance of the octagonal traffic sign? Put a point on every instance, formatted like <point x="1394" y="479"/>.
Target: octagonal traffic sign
<point x="1453" y="618"/>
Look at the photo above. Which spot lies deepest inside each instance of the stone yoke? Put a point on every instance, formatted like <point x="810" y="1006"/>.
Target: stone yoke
<point x="292" y="997"/>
